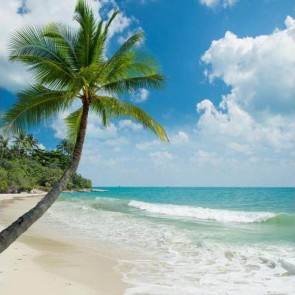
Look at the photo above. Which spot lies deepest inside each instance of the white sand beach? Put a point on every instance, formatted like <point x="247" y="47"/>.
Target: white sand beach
<point x="42" y="262"/>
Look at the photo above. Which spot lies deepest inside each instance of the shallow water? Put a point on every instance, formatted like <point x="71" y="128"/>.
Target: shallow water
<point x="192" y="240"/>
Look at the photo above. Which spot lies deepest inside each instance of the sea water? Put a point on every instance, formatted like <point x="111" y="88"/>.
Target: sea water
<point x="192" y="240"/>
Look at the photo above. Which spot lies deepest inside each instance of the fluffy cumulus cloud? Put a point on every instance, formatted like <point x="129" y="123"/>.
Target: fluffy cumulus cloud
<point x="255" y="121"/>
<point x="180" y="138"/>
<point x="260" y="70"/>
<point x="259" y="110"/>
<point x="139" y="96"/>
<point x="16" y="14"/>
<point x="215" y="3"/>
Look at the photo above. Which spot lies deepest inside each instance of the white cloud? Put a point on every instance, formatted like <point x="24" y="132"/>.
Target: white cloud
<point x="260" y="70"/>
<point x="116" y="141"/>
<point x="260" y="107"/>
<point x="41" y="146"/>
<point x="130" y="33"/>
<point x="180" y="138"/>
<point x="161" y="158"/>
<point x="129" y="125"/>
<point x="205" y="158"/>
<point x="240" y="148"/>
<point x="94" y="128"/>
<point x="215" y="3"/>
<point x="139" y="96"/>
<point x="233" y="123"/>
<point x="59" y="126"/>
<point x="119" y="24"/>
<point x="147" y="145"/>
<point x="39" y="13"/>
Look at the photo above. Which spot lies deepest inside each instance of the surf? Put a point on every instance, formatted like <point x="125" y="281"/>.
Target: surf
<point x="201" y="213"/>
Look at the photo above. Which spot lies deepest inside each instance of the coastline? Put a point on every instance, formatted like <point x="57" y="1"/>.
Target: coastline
<point x="4" y="197"/>
<point x="155" y="245"/>
<point x="47" y="263"/>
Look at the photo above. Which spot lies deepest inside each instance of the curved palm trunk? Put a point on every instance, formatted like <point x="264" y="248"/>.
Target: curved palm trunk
<point x="18" y="227"/>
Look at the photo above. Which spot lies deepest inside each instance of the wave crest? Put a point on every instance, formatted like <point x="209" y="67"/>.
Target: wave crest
<point x="201" y="213"/>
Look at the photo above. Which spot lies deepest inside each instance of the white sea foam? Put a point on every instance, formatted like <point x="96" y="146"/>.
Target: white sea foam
<point x="172" y="260"/>
<point x="202" y="213"/>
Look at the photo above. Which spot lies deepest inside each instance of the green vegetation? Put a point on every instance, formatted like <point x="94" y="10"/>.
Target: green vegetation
<point x="24" y="166"/>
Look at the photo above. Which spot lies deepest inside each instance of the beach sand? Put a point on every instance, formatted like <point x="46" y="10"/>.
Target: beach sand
<point x="42" y="262"/>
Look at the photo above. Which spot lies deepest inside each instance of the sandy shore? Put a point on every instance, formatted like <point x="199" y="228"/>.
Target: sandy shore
<point x="41" y="262"/>
<point x="21" y="195"/>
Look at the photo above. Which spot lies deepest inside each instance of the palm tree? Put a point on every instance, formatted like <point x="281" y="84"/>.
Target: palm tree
<point x="20" y="143"/>
<point x="66" y="147"/>
<point x="68" y="65"/>
<point x="32" y="143"/>
<point x="25" y="143"/>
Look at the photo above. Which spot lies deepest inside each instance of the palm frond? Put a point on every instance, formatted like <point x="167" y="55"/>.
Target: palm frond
<point x="65" y="38"/>
<point x="73" y="124"/>
<point x="35" y="105"/>
<point x="122" y="58"/>
<point x="69" y="63"/>
<point x="129" y="44"/>
<point x="117" y="108"/>
<point x="97" y="46"/>
<point x="114" y="14"/>
<point x="134" y="83"/>
<point x="98" y="107"/>
<point x="41" y="54"/>
<point x="85" y="17"/>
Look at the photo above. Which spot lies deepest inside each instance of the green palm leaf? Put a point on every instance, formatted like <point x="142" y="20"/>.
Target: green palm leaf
<point x="71" y="63"/>
<point x="41" y="54"/>
<point x="65" y="38"/>
<point x="35" y="105"/>
<point x="73" y="124"/>
<point x="114" y="107"/>
<point x="133" y="83"/>
<point x="85" y="17"/>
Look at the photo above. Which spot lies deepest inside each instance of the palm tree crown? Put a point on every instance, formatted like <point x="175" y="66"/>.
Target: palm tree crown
<point x="25" y="143"/>
<point x="70" y="64"/>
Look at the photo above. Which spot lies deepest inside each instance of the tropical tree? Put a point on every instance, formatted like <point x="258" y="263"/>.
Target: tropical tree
<point x="66" y="147"/>
<point x="32" y="143"/>
<point x="20" y="143"/>
<point x="3" y="147"/>
<point x="24" y="144"/>
<point x="68" y="65"/>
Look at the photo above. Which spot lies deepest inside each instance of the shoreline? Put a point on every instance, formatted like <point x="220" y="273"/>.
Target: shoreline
<point x="11" y="196"/>
<point x="63" y="265"/>
<point x="40" y="193"/>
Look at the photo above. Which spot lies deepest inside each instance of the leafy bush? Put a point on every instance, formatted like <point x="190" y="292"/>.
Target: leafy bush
<point x="37" y="169"/>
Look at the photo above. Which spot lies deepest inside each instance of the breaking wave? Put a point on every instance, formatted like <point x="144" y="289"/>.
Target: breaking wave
<point x="218" y="215"/>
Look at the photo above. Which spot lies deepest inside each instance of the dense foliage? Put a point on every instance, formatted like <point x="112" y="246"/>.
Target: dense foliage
<point x="24" y="166"/>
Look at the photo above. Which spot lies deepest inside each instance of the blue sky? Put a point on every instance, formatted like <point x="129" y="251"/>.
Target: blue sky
<point x="228" y="104"/>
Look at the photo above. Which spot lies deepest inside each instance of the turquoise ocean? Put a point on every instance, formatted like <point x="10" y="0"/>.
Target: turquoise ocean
<point x="191" y="240"/>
